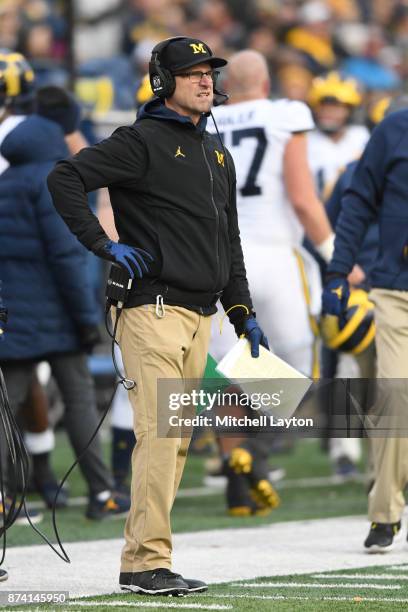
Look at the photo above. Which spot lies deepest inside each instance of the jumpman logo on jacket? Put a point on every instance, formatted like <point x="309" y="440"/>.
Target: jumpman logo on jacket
<point x="179" y="152"/>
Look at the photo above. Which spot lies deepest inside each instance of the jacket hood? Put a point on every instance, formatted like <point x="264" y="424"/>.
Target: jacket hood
<point x="156" y="109"/>
<point x="34" y="140"/>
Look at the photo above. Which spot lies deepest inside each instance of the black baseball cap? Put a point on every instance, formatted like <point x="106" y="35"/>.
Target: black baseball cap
<point x="187" y="52"/>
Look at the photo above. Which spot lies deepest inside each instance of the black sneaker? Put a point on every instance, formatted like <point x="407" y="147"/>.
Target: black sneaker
<point x="381" y="537"/>
<point x="3" y="575"/>
<point x="195" y="586"/>
<point x="117" y="506"/>
<point x="154" y="582"/>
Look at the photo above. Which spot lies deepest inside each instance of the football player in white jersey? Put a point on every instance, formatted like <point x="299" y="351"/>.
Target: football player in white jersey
<point x="277" y="204"/>
<point x="334" y="143"/>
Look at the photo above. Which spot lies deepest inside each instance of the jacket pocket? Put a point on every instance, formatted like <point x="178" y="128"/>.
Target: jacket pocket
<point x="189" y="249"/>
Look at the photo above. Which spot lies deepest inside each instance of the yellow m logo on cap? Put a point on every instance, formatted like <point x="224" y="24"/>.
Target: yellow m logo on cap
<point x="198" y="48"/>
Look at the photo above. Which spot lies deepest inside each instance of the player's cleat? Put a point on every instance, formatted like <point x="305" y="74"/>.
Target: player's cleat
<point x="262" y="511"/>
<point x="239" y="502"/>
<point x="22" y="520"/>
<point x="250" y="510"/>
<point x="3" y="575"/>
<point x="382" y="536"/>
<point x="156" y="582"/>
<point x="117" y="506"/>
<point x="239" y="499"/>
<point x="265" y="495"/>
<point x="243" y="462"/>
<point x="240" y="511"/>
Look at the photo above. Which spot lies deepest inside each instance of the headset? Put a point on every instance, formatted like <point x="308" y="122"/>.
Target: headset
<point x="162" y="81"/>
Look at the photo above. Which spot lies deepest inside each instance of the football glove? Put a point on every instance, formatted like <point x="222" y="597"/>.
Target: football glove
<point x="255" y="336"/>
<point x="133" y="259"/>
<point x="335" y="296"/>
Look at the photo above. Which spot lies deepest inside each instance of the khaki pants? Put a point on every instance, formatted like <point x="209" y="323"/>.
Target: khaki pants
<point x="174" y="346"/>
<point x="390" y="454"/>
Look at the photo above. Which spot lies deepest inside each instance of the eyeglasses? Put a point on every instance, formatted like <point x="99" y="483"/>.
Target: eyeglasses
<point x="196" y="76"/>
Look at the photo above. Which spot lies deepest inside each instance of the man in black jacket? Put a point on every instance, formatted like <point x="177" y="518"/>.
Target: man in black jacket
<point x="172" y="190"/>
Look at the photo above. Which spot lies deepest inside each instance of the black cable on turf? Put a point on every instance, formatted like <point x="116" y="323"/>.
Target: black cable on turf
<point x="128" y="384"/>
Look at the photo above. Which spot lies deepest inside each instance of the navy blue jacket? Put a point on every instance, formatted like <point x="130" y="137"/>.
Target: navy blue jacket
<point x="378" y="191"/>
<point x="368" y="252"/>
<point x="42" y="265"/>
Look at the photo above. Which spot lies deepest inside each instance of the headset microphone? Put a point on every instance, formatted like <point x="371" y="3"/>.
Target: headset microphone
<point x="219" y="94"/>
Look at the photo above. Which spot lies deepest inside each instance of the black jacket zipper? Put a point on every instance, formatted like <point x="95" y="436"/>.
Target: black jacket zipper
<point x="217" y="216"/>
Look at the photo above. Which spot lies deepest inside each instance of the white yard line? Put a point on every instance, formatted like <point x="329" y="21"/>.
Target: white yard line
<point x="316" y="585"/>
<point x="362" y="576"/>
<point x="311" y="598"/>
<point x="218" y="483"/>
<point x="318" y="481"/>
<point x="149" y="604"/>
<point x="191" y="492"/>
<point x="222" y="555"/>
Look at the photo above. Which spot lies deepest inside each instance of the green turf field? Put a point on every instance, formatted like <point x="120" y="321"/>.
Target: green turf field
<point x="379" y="588"/>
<point x="306" y="493"/>
<point x="202" y="512"/>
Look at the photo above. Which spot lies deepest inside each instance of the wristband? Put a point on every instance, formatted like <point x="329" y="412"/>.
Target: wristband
<point x="326" y="248"/>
